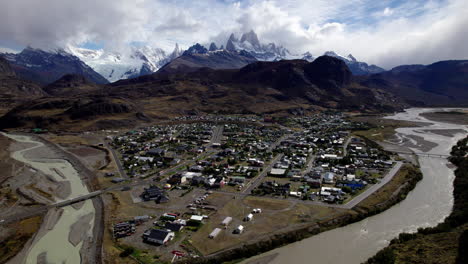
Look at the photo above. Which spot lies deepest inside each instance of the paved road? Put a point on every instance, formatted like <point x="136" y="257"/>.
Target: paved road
<point x="345" y="146"/>
<point x="309" y="165"/>
<point x="122" y="172"/>
<point x="277" y="142"/>
<point x="217" y="135"/>
<point x="257" y="180"/>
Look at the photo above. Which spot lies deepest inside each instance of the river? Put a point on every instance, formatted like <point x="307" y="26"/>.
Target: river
<point x="427" y="205"/>
<point x="55" y="242"/>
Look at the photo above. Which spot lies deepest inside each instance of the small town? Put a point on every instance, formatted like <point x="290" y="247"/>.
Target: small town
<point x="233" y="132"/>
<point x="204" y="183"/>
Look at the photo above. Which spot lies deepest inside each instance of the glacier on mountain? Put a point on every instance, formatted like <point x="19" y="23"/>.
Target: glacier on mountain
<point x="133" y="63"/>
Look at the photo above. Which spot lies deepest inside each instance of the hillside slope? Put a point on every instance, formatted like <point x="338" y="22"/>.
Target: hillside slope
<point x="443" y="83"/>
<point x="14" y="90"/>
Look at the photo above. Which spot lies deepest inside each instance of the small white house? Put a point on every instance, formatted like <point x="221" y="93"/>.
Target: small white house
<point x="350" y="177"/>
<point x="239" y="229"/>
<point x="214" y="233"/>
<point x="277" y="172"/>
<point x="226" y="221"/>
<point x="249" y="217"/>
<point x="197" y="218"/>
<point x="295" y="194"/>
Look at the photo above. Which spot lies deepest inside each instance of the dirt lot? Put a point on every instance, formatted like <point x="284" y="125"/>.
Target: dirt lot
<point x="123" y="206"/>
<point x="276" y="215"/>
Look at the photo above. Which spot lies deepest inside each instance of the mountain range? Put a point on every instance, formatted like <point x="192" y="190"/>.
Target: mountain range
<point x="56" y="89"/>
<point x="101" y="66"/>
<point x="286" y="86"/>
<point x="136" y="62"/>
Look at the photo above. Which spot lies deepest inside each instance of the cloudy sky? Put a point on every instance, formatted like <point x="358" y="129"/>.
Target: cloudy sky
<point x="384" y="32"/>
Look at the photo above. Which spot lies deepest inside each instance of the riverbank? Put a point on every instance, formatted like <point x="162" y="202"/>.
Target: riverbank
<point x="448" y="241"/>
<point x="84" y="237"/>
<point x="381" y="200"/>
<point x="452" y="116"/>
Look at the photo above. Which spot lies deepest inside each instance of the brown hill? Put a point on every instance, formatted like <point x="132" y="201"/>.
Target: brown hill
<point x="443" y="83"/>
<point x="14" y="90"/>
<point x="74" y="114"/>
<point x="260" y="87"/>
<point x="70" y="85"/>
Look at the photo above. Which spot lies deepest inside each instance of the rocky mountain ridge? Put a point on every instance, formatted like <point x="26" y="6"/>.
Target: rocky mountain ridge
<point x="45" y="67"/>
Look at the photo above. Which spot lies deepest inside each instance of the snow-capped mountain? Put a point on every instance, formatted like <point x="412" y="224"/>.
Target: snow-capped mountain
<point x="44" y="67"/>
<point x="136" y="62"/>
<point x="271" y="52"/>
<point x="198" y="56"/>
<point x="263" y="52"/>
<point x="356" y="67"/>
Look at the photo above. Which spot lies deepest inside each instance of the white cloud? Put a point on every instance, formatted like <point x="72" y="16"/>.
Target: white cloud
<point x="387" y="12"/>
<point x="386" y="33"/>
<point x="7" y="50"/>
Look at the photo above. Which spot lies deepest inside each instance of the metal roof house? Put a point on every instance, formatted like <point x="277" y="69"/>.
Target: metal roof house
<point x="158" y="236"/>
<point x="329" y="177"/>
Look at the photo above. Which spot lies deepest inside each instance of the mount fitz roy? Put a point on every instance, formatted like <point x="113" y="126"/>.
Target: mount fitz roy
<point x="272" y="52"/>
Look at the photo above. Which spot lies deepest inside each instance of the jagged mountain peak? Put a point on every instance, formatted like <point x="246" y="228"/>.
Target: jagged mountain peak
<point x="232" y="37"/>
<point x="264" y="52"/>
<point x="230" y="43"/>
<point x="175" y="53"/>
<point x="351" y="57"/>
<point x="196" y="49"/>
<point x="213" y="47"/>
<point x="252" y="38"/>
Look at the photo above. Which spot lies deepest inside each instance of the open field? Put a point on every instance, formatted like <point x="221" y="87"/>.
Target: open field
<point x="383" y="128"/>
<point x="16" y="237"/>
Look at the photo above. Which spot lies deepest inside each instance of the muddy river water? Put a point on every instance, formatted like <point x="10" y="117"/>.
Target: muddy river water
<point x="51" y="244"/>
<point x="427" y="205"/>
